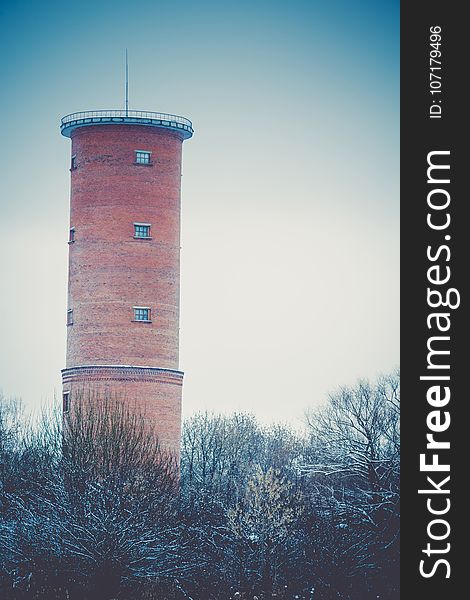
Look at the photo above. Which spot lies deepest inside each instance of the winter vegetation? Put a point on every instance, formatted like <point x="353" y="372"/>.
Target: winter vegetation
<point x="92" y="507"/>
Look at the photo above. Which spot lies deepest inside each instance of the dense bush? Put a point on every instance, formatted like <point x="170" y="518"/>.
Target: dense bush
<point x="92" y="508"/>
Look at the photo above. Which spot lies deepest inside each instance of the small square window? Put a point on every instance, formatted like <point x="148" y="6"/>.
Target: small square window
<point x="142" y="230"/>
<point x="71" y="235"/>
<point x="73" y="162"/>
<point x="66" y="402"/>
<point x="142" y="157"/>
<point x="70" y="316"/>
<point x="142" y="313"/>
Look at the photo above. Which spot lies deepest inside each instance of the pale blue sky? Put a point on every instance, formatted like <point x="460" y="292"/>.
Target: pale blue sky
<point x="290" y="188"/>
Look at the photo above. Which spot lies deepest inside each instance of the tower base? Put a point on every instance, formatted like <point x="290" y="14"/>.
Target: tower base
<point x="155" y="393"/>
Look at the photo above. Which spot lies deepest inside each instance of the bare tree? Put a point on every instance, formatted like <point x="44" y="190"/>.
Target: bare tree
<point x="357" y="435"/>
<point x="262" y="523"/>
<point x="92" y="507"/>
<point x="106" y="516"/>
<point x="354" y="473"/>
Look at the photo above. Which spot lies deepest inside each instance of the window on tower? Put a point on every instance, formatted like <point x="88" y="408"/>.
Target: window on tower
<point x="71" y="235"/>
<point x="66" y="402"/>
<point x="73" y="162"/>
<point x="142" y="157"/>
<point x="70" y="316"/>
<point x="142" y="313"/>
<point x="142" y="231"/>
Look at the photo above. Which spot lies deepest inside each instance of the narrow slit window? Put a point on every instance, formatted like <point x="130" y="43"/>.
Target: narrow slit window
<point x="142" y="157"/>
<point x="142" y="313"/>
<point x="73" y="162"/>
<point x="71" y="235"/>
<point x="66" y="402"/>
<point x="70" y="316"/>
<point x="142" y="231"/>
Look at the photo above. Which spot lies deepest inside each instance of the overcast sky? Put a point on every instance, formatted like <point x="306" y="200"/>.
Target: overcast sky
<point x="290" y="186"/>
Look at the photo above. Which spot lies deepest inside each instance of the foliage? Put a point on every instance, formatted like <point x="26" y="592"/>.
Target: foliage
<point x="92" y="508"/>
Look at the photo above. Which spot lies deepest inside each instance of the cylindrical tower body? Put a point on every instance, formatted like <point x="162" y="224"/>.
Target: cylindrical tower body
<point x="124" y="262"/>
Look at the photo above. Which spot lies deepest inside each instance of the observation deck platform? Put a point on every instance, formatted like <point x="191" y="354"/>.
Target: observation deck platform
<point x="75" y="120"/>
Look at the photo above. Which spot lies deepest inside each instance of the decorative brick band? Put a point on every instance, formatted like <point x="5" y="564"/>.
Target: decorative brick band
<point x="121" y="373"/>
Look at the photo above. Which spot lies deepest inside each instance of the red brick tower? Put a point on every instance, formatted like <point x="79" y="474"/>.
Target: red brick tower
<point x="124" y="261"/>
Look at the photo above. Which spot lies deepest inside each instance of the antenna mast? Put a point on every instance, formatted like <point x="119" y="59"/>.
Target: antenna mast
<point x="127" y="87"/>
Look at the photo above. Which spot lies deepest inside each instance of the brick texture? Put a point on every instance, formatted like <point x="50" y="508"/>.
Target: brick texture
<point x="153" y="393"/>
<point x="110" y="271"/>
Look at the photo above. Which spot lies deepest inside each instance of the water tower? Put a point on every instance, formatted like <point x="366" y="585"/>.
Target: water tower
<point x="124" y="262"/>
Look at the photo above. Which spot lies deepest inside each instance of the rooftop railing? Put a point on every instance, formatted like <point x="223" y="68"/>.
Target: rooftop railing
<point x="90" y="117"/>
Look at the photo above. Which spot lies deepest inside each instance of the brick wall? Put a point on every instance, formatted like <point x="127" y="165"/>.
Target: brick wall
<point x="153" y="393"/>
<point x="110" y="271"/>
